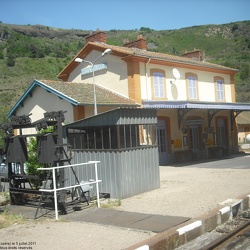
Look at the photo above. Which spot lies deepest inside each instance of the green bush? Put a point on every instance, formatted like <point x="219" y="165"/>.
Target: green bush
<point x="32" y="164"/>
<point x="10" y="61"/>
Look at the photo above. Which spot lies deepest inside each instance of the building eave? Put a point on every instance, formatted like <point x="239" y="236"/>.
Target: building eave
<point x="28" y="93"/>
<point x="143" y="55"/>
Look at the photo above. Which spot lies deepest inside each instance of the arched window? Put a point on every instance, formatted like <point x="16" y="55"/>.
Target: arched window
<point x="219" y="89"/>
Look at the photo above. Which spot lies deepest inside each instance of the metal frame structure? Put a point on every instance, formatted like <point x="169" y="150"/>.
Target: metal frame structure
<point x="52" y="154"/>
<point x="81" y="185"/>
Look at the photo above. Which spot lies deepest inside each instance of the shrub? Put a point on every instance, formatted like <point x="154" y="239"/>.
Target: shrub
<point x="32" y="163"/>
<point x="10" y="61"/>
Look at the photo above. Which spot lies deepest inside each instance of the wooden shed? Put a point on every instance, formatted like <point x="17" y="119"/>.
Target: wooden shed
<point x="124" y="140"/>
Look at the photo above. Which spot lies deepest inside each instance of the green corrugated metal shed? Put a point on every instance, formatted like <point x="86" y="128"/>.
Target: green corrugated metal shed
<point x="120" y="116"/>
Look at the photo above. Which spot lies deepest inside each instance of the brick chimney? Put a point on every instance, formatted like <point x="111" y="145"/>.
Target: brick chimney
<point x="196" y="54"/>
<point x="97" y="36"/>
<point x="139" y="43"/>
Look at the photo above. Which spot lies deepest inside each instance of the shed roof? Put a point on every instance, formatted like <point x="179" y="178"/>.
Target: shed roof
<point x="119" y="116"/>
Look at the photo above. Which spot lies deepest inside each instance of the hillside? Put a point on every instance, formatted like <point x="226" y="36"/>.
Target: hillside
<point x="30" y="52"/>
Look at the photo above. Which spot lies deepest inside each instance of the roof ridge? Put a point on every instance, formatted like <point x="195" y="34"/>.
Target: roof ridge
<point x="161" y="56"/>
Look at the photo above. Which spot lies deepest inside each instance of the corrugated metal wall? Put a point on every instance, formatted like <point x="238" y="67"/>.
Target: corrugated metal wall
<point x="123" y="173"/>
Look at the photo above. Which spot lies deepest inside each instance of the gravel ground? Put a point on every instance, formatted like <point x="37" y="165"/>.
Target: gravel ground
<point x="190" y="191"/>
<point x="184" y="191"/>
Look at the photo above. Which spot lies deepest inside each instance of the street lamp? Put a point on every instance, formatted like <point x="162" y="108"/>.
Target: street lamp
<point x="107" y="51"/>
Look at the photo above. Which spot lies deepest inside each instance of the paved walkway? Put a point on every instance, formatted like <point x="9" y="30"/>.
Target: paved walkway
<point x="109" y="217"/>
<point x="131" y="220"/>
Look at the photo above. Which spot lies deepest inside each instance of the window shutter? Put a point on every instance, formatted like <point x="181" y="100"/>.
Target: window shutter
<point x="158" y="85"/>
<point x="192" y="91"/>
<point x="220" y="89"/>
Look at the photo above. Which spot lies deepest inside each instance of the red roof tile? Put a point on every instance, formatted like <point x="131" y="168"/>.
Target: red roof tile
<point x="83" y="93"/>
<point x="139" y="53"/>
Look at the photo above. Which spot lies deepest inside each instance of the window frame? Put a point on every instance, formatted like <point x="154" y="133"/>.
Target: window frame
<point x="195" y="77"/>
<point x="163" y="95"/>
<point x="219" y="91"/>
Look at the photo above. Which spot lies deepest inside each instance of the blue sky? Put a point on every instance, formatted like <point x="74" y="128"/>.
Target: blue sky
<point x="123" y="14"/>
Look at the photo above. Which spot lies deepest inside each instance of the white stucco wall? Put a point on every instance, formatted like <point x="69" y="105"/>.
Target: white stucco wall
<point x="176" y="90"/>
<point x="114" y="78"/>
<point x="207" y="89"/>
<point x="42" y="101"/>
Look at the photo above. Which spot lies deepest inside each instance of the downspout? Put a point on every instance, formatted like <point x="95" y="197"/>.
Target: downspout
<point x="146" y="75"/>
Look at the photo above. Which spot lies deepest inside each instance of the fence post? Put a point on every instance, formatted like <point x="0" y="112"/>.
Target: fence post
<point x="96" y="181"/>
<point x="55" y="193"/>
<point x="97" y="185"/>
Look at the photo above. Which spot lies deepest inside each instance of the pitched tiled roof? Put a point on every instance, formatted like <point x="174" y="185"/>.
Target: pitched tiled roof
<point x="139" y="53"/>
<point x="83" y="93"/>
<point x="77" y="94"/>
<point x="161" y="56"/>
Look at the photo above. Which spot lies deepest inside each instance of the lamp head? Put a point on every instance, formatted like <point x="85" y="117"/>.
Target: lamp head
<point x="78" y="60"/>
<point x="106" y="51"/>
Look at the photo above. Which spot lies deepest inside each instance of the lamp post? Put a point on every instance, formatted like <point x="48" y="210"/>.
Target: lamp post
<point x="107" y="51"/>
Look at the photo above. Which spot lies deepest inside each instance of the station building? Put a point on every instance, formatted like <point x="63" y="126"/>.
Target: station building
<point x="194" y="99"/>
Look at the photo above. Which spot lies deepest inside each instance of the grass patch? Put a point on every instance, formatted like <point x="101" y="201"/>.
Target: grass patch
<point x="7" y="219"/>
<point x="110" y="203"/>
<point x="4" y="198"/>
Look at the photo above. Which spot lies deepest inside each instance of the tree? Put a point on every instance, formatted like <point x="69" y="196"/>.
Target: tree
<point x="145" y="29"/>
<point x="244" y="73"/>
<point x="10" y="60"/>
<point x="32" y="163"/>
<point x="1" y="55"/>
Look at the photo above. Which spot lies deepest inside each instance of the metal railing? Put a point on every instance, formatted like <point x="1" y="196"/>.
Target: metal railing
<point x="55" y="189"/>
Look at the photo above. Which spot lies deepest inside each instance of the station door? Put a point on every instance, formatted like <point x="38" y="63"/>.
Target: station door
<point x="162" y="142"/>
<point x="194" y="138"/>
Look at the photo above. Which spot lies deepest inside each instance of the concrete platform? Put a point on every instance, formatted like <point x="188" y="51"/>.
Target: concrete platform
<point x="28" y="212"/>
<point x="132" y="220"/>
<point x="108" y="217"/>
